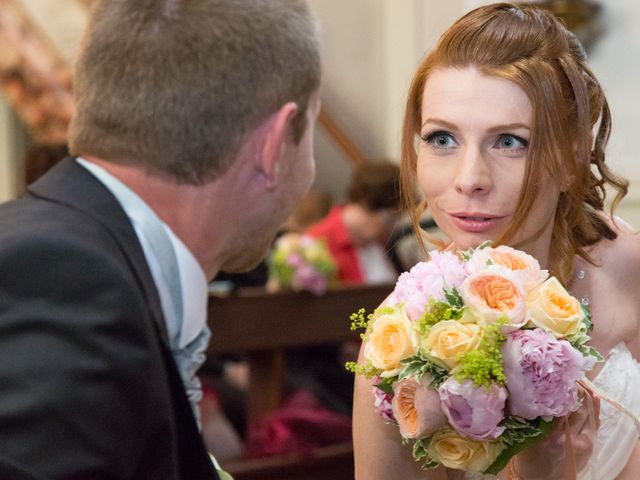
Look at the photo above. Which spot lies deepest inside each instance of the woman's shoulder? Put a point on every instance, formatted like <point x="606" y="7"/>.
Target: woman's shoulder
<point x="614" y="286"/>
<point x="620" y="258"/>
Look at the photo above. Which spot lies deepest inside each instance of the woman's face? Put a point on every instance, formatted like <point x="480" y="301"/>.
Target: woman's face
<point x="472" y="156"/>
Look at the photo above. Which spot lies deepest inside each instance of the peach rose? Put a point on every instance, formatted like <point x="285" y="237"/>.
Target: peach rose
<point x="551" y="307"/>
<point x="455" y="451"/>
<point x="522" y="264"/>
<point x="493" y="293"/>
<point x="449" y="339"/>
<point x="392" y="337"/>
<point x="416" y="408"/>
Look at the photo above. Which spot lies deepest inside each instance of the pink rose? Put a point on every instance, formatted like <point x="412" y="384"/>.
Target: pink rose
<point x="473" y="412"/>
<point x="307" y="277"/>
<point x="427" y="280"/>
<point x="416" y="408"/>
<point x="542" y="374"/>
<point x="382" y="403"/>
<point x="294" y="259"/>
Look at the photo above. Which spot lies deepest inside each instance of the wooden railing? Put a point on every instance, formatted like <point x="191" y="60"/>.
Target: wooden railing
<point x="261" y="325"/>
<point x="341" y="139"/>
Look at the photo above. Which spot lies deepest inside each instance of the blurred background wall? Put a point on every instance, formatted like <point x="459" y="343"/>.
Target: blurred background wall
<point x="370" y="48"/>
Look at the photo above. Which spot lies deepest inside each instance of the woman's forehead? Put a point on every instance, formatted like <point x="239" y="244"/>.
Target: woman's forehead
<point x="467" y="96"/>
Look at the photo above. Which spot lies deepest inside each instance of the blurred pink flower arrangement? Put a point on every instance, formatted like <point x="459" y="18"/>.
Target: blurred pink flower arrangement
<point x="299" y="262"/>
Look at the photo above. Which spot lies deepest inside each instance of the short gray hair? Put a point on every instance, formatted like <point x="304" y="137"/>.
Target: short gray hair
<point x="175" y="85"/>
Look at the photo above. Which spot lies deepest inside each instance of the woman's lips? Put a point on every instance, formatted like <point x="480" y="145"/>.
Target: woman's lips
<point x="474" y="222"/>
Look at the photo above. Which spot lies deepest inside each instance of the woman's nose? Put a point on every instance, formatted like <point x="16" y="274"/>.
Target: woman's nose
<point x="473" y="175"/>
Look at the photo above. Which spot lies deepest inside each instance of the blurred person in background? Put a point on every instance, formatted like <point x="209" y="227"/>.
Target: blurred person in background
<point x="357" y="231"/>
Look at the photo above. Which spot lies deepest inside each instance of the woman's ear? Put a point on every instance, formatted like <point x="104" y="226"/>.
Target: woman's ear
<point x="275" y="129"/>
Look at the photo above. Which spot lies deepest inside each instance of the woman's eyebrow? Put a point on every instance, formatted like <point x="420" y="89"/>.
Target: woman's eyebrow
<point x="439" y="121"/>
<point x="509" y="126"/>
<point x="494" y="129"/>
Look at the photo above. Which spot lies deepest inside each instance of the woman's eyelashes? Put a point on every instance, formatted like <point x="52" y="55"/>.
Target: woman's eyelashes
<point x="509" y="143"/>
<point x="440" y="140"/>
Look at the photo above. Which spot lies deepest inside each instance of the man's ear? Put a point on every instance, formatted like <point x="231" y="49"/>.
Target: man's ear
<point x="276" y="129"/>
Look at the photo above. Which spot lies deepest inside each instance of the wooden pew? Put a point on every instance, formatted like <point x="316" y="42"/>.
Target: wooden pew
<point x="334" y="462"/>
<point x="261" y="326"/>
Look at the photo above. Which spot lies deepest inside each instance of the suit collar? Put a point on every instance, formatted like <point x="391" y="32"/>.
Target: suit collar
<point x="71" y="185"/>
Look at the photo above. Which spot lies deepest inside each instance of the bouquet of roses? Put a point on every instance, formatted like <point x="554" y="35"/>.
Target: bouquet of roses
<point x="300" y="262"/>
<point x="474" y="355"/>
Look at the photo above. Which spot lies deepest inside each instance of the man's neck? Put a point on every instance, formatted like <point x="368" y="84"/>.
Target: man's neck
<point x="180" y="206"/>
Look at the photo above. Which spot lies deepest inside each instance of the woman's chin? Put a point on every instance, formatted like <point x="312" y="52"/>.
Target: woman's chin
<point x="461" y="244"/>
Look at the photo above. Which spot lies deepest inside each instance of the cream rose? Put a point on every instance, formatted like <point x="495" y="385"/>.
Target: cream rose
<point x="455" y="451"/>
<point x="288" y="242"/>
<point x="551" y="307"/>
<point x="493" y="293"/>
<point x="525" y="267"/>
<point x="315" y="249"/>
<point x="416" y="408"/>
<point x="450" y="338"/>
<point x="392" y="337"/>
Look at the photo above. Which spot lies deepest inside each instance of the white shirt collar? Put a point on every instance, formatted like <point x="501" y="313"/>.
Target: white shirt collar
<point x="192" y="279"/>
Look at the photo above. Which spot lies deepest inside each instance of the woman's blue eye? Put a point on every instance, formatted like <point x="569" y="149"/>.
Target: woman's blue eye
<point x="440" y="140"/>
<point x="508" y="141"/>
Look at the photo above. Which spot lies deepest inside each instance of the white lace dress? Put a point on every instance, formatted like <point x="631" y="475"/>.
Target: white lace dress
<point x="617" y="435"/>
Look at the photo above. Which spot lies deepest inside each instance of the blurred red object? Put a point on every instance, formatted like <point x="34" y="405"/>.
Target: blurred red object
<point x="299" y="426"/>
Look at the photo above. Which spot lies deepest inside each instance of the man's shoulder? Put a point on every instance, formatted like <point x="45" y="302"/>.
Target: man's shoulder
<point x="32" y="220"/>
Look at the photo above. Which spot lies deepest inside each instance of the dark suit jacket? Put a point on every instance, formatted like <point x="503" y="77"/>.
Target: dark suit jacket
<point x="88" y="386"/>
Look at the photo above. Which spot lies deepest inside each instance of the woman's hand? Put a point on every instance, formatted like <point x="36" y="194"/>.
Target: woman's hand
<point x="546" y="460"/>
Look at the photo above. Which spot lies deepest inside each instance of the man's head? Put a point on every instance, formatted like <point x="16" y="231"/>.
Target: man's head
<point x="176" y="86"/>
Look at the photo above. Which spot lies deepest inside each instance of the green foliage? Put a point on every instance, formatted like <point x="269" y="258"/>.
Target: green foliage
<point x="420" y="454"/>
<point x="519" y="430"/>
<point x="366" y="370"/>
<point x="467" y="254"/>
<point x="454" y="298"/>
<point x="386" y="384"/>
<point x="279" y="268"/>
<point x="483" y="366"/>
<point x="581" y="337"/>
<point x="519" y="434"/>
<point x="384" y="310"/>
<point x="359" y="320"/>
<point x="588" y="321"/>
<point x="438" y="311"/>
<point x="418" y="366"/>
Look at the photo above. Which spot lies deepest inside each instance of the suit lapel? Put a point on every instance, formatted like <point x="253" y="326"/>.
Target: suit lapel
<point x="70" y="184"/>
